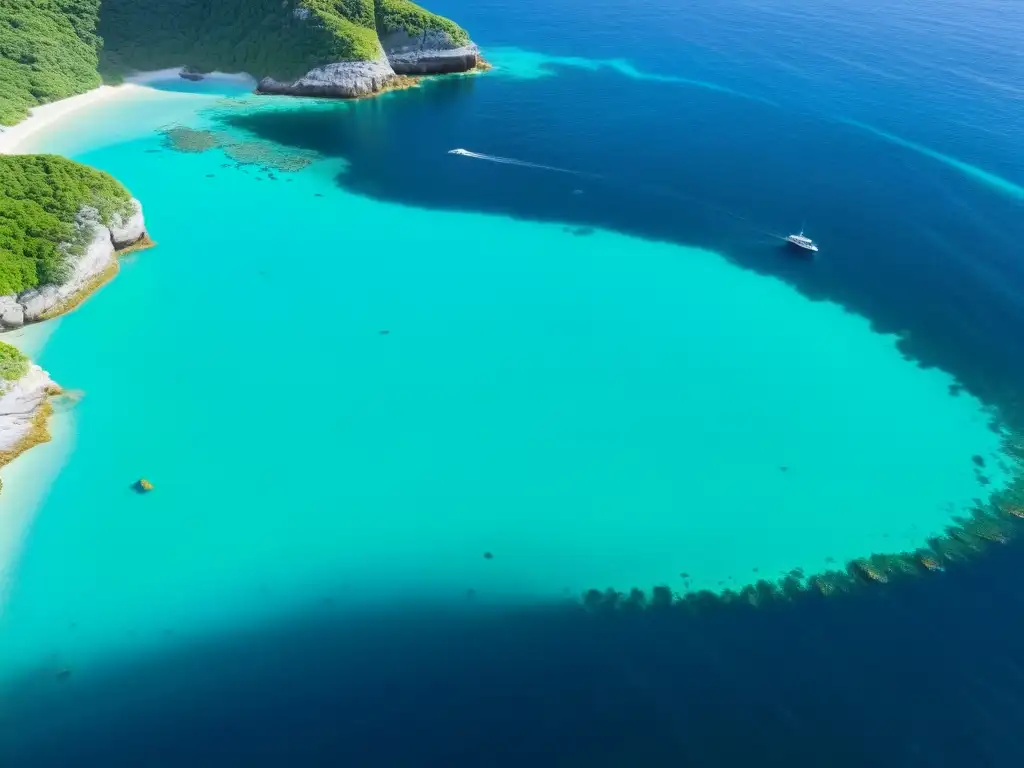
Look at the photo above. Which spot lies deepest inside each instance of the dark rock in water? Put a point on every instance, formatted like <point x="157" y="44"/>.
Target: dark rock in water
<point x="488" y="556"/>
<point x="63" y="674"/>
<point x="317" y="194"/>
<point x="142" y="486"/>
<point x="209" y="175"/>
<point x="979" y="460"/>
<point x="385" y="332"/>
<point x="189" y="74"/>
<point x="955" y="389"/>
<point x="684" y="575"/>
<point x="784" y="468"/>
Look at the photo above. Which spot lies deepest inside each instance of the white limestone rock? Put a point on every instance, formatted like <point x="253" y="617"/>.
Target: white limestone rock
<point x="19" y="402"/>
<point x="12" y="315"/>
<point x="100" y="253"/>
<point x="433" y="52"/>
<point x="342" y="80"/>
<point x="125" y="231"/>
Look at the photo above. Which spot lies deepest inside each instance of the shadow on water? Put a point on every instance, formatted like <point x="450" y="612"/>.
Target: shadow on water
<point x="705" y="169"/>
<point x="924" y="672"/>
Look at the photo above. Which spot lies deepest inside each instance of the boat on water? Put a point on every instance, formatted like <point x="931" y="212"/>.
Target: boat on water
<point x="800" y="241"/>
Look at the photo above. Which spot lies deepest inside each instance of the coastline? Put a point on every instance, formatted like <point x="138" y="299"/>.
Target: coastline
<point x="13" y="138"/>
<point x="25" y="405"/>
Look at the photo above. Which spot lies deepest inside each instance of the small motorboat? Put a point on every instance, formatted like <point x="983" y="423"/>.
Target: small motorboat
<point x="800" y="241"/>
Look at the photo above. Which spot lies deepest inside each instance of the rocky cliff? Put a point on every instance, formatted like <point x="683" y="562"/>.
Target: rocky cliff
<point x="331" y="48"/>
<point x="24" y="407"/>
<point x="88" y="270"/>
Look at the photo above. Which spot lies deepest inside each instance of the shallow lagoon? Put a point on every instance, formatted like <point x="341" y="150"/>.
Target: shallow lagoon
<point x="342" y="400"/>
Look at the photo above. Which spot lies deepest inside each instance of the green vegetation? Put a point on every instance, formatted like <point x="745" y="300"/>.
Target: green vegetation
<point x="13" y="364"/>
<point x="52" y="49"/>
<point x="40" y="196"/>
<point x="403" y="14"/>
<point x="282" y="39"/>
<point x="48" y="51"/>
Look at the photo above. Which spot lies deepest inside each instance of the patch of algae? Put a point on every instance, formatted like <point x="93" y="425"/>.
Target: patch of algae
<point x="182" y="139"/>
<point x="252" y="152"/>
<point x="991" y="523"/>
<point x="268" y="155"/>
<point x="37" y="434"/>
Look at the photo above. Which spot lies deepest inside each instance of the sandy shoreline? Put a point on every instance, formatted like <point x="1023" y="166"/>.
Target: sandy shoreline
<point x="13" y="138"/>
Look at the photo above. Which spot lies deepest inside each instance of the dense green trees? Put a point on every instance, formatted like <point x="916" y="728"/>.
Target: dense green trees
<point x="278" y="38"/>
<point x="48" y="51"/>
<point x="13" y="364"/>
<point x="40" y="196"/>
<point x="282" y="39"/>
<point x="403" y="14"/>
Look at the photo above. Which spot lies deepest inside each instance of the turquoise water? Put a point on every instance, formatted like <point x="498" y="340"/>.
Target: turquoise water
<point x="592" y="411"/>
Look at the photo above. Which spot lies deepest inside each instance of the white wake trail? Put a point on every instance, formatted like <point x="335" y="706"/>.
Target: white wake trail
<point x="513" y="161"/>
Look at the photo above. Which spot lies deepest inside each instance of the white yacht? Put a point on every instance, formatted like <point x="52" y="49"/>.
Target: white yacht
<point x="802" y="242"/>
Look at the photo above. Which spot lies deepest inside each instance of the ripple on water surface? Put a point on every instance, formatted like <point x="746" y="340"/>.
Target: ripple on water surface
<point x="338" y="398"/>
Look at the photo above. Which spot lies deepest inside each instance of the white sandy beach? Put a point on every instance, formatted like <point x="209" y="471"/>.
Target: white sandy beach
<point x="16" y="139"/>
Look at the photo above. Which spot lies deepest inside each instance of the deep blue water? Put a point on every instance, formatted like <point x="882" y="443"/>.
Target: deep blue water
<point x="919" y="672"/>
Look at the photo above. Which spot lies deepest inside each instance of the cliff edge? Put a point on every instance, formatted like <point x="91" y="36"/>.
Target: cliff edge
<point x="25" y="390"/>
<point x="330" y="48"/>
<point x="57" y="249"/>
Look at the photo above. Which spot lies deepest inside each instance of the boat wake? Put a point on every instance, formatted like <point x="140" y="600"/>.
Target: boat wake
<point x="622" y="185"/>
<point x="513" y="161"/>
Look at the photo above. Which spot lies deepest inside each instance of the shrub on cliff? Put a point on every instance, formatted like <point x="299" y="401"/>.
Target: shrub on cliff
<point x="404" y="14"/>
<point x="48" y="51"/>
<point x="13" y="364"/>
<point x="40" y="197"/>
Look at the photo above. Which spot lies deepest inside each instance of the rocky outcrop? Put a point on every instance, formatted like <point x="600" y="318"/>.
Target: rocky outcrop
<point x="89" y="270"/>
<point x="343" y="80"/>
<point x="127" y="230"/>
<point x="23" y="409"/>
<point x="433" y="52"/>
